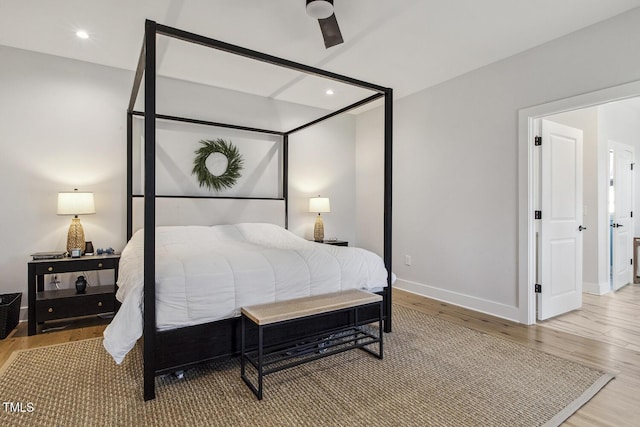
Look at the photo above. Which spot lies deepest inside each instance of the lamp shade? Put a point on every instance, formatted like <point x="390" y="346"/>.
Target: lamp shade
<point x="319" y="9"/>
<point x="76" y="203"/>
<point x="319" y="204"/>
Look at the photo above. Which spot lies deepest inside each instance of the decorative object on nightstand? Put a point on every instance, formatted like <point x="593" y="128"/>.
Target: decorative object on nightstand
<point x="48" y="255"/>
<point x="88" y="248"/>
<point x="76" y="203"/>
<point x="81" y="285"/>
<point x="319" y="205"/>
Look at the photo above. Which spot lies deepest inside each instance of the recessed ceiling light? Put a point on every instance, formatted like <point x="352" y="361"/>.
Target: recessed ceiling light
<point x="329" y="92"/>
<point x="82" y="34"/>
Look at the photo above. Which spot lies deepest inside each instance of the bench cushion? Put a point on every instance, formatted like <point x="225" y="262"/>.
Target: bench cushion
<point x="264" y="314"/>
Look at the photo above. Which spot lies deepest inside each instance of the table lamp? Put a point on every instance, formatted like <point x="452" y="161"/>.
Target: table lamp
<point x="319" y="204"/>
<point x="75" y="203"/>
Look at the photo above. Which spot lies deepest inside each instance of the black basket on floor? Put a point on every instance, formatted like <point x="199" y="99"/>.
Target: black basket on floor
<point x="9" y="313"/>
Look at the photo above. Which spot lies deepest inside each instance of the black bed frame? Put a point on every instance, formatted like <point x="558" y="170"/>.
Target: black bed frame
<point x="172" y="350"/>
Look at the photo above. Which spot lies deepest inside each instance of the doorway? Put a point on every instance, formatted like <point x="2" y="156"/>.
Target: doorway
<point x="527" y="225"/>
<point x="569" y="198"/>
<point x="620" y="211"/>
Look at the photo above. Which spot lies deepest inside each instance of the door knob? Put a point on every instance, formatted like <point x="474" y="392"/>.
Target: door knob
<point x="581" y="228"/>
<point x="619" y="225"/>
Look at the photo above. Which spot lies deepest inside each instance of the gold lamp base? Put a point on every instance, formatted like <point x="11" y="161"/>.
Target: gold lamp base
<point x="318" y="230"/>
<point x="75" y="237"/>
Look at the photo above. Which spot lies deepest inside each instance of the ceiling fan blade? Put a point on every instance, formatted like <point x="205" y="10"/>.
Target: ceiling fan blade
<point x="330" y="31"/>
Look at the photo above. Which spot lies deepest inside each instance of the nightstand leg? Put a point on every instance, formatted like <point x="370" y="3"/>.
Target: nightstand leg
<point x="32" y="300"/>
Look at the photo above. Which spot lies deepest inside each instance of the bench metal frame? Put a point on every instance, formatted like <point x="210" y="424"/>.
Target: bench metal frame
<point x="306" y="348"/>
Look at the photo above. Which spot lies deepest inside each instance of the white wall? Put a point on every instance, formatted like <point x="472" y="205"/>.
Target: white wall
<point x="455" y="163"/>
<point x="321" y="162"/>
<point x="175" y="151"/>
<point x="370" y="181"/>
<point x="63" y="125"/>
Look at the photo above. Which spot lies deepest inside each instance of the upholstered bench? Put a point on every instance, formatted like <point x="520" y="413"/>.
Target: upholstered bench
<point x="305" y="348"/>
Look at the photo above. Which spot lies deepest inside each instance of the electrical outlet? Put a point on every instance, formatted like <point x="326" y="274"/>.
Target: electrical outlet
<point x="407" y="260"/>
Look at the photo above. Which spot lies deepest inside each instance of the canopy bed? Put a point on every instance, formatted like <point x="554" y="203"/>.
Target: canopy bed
<point x="170" y="346"/>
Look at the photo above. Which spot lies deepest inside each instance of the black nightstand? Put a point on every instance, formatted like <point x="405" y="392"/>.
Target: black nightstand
<point x="333" y="242"/>
<point x="63" y="303"/>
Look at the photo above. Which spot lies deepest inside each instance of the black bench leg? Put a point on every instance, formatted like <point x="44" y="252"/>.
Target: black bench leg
<point x="242" y="347"/>
<point x="244" y="357"/>
<point x="260" y="361"/>
<point x="380" y="333"/>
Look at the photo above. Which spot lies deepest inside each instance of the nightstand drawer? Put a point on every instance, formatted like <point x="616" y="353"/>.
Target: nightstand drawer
<point x="78" y="305"/>
<point x="74" y="265"/>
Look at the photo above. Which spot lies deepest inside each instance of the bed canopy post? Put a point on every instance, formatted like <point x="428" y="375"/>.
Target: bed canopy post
<point x="388" y="188"/>
<point x="137" y="80"/>
<point x="129" y="175"/>
<point x="285" y="178"/>
<point x="149" y="210"/>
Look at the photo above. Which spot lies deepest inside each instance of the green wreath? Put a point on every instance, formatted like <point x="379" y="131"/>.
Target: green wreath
<point x="230" y="175"/>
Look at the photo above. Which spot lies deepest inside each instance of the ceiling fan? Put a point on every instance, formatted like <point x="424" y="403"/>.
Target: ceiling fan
<point x="322" y="10"/>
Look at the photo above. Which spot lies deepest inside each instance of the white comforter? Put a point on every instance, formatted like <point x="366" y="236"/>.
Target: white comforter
<point x="208" y="273"/>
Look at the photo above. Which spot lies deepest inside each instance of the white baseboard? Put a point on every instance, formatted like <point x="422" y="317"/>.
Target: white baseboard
<point x="473" y="303"/>
<point x="596" y="288"/>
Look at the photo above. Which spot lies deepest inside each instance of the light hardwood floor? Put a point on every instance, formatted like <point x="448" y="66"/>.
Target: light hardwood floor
<point x="85" y="328"/>
<point x="616" y="405"/>
<point x="613" y="318"/>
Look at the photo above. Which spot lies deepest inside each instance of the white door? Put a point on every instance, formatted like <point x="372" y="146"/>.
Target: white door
<point x="560" y="257"/>
<point x="622" y="220"/>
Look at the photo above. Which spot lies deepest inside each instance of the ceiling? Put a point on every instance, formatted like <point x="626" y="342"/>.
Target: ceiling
<point x="408" y="45"/>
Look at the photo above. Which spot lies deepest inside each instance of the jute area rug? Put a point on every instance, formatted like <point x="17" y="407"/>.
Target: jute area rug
<point x="434" y="373"/>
